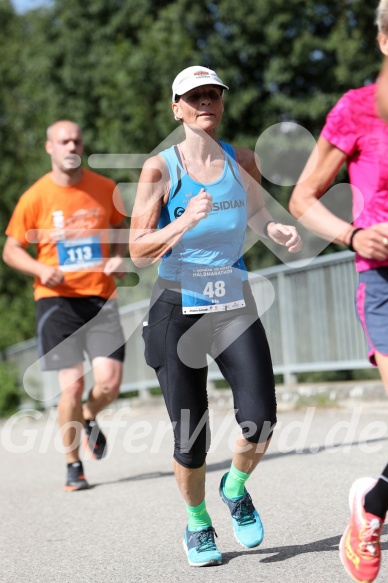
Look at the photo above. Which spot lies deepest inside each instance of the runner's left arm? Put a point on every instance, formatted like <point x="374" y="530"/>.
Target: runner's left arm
<point x="115" y="265"/>
<point x="259" y="218"/>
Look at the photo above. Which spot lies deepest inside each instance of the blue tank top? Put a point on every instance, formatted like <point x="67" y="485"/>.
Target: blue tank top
<point x="217" y="240"/>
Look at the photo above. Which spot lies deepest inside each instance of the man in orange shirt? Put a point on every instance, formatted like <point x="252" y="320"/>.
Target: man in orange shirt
<point x="70" y="214"/>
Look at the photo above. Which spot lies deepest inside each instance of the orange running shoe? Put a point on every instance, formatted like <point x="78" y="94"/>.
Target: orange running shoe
<point x="360" y="551"/>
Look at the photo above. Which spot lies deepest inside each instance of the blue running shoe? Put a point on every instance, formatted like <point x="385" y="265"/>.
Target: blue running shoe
<point x="201" y="548"/>
<point x="247" y="526"/>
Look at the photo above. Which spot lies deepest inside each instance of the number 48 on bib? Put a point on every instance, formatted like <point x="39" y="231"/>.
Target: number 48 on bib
<point x="211" y="289"/>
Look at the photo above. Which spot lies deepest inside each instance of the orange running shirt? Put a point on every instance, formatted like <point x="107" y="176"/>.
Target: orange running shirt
<point x="70" y="227"/>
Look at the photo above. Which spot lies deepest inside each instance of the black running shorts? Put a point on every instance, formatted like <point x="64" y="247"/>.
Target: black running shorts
<point x="67" y="328"/>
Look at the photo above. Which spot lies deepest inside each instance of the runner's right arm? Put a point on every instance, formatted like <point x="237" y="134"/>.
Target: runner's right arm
<point x="147" y="243"/>
<point x="16" y="256"/>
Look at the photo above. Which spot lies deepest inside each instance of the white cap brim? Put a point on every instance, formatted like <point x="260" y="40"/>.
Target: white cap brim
<point x="193" y="77"/>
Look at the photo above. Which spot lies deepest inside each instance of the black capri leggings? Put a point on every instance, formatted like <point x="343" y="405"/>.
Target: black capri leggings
<point x="176" y="346"/>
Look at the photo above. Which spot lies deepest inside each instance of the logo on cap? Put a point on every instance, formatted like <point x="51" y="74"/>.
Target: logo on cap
<point x="202" y="73"/>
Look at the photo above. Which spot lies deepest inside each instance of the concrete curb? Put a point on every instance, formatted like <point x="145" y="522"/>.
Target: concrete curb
<point x="293" y="396"/>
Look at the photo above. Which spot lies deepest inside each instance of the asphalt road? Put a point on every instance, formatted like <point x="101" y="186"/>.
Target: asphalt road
<point x="128" y="527"/>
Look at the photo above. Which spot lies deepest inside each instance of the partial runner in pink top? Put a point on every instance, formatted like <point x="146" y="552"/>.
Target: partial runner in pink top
<point x="356" y="134"/>
<point x="354" y="127"/>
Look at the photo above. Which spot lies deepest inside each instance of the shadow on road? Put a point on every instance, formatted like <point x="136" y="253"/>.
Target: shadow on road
<point x="288" y="552"/>
<point x="224" y="465"/>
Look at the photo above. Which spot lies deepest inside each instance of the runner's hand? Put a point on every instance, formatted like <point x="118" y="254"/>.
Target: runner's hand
<point x="197" y="209"/>
<point x="50" y="276"/>
<point x="114" y="266"/>
<point x="285" y="235"/>
<point x="372" y="243"/>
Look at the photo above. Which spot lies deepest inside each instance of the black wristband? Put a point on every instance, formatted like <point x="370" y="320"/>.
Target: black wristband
<point x="350" y="244"/>
<point x="265" y="228"/>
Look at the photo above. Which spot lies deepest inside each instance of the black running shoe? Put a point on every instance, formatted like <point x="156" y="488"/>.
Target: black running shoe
<point x="94" y="441"/>
<point x="75" y="478"/>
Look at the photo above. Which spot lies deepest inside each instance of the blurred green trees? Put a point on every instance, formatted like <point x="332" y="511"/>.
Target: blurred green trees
<point x="109" y="66"/>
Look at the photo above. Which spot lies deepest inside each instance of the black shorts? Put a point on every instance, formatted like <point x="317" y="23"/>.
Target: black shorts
<point x="67" y="328"/>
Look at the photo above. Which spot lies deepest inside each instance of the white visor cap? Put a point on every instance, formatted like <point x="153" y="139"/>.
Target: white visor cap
<point x="193" y="77"/>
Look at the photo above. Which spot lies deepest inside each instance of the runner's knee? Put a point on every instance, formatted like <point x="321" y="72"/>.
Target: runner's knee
<point x="191" y="451"/>
<point x="259" y="429"/>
